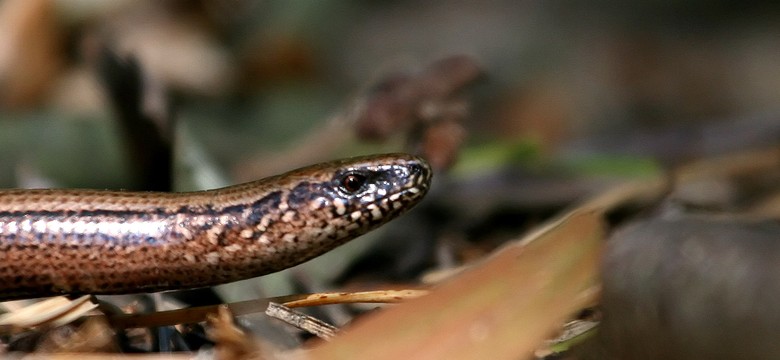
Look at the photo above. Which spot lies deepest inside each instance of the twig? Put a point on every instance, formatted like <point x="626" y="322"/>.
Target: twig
<point x="198" y="314"/>
<point x="302" y="321"/>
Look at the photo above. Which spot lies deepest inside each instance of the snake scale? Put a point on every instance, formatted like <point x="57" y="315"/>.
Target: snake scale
<point x="55" y="241"/>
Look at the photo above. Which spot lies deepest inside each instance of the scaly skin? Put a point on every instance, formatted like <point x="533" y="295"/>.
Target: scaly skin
<point x="56" y="242"/>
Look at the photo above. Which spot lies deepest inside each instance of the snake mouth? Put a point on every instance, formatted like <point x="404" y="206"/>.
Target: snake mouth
<point x="419" y="186"/>
<point x="387" y="207"/>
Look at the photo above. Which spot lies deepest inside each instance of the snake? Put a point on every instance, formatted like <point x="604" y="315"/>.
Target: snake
<point x="71" y="241"/>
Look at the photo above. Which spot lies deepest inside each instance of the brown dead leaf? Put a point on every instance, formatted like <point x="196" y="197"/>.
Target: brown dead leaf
<point x="501" y="309"/>
<point x="94" y="335"/>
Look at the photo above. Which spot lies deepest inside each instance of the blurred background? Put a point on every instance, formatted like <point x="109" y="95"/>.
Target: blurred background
<point x="242" y="80"/>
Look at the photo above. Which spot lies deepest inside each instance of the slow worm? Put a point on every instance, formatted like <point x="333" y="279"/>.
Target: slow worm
<point x="111" y="242"/>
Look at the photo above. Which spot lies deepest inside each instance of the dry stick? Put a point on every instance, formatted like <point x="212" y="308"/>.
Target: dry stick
<point x="302" y="321"/>
<point x="376" y="296"/>
<point x="107" y="356"/>
<point x="198" y="314"/>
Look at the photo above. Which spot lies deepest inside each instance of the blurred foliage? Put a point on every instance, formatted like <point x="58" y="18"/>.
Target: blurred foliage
<point x="249" y="76"/>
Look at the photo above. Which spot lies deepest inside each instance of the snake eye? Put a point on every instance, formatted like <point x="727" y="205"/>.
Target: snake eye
<point x="353" y="182"/>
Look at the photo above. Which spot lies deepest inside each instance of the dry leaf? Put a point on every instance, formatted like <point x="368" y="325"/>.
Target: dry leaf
<point x="501" y="309"/>
<point x="94" y="335"/>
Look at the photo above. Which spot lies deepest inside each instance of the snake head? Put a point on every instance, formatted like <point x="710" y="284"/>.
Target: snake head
<point x="329" y="204"/>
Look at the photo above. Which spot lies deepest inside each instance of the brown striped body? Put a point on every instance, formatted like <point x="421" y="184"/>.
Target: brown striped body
<point x="108" y="242"/>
